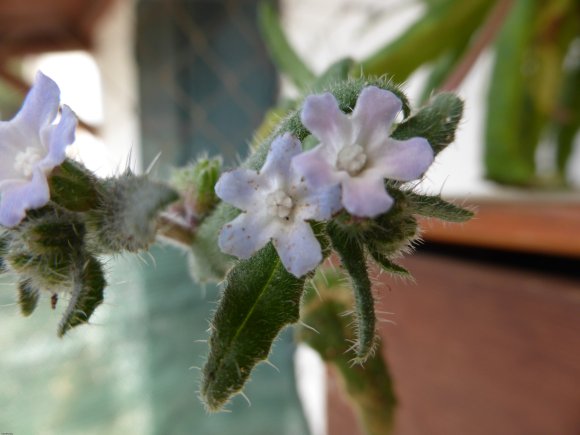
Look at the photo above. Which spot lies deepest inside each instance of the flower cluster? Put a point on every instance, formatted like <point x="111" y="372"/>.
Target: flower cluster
<point x="346" y="170"/>
<point x="32" y="146"/>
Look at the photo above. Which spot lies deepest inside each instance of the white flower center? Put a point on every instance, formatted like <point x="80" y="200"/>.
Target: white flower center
<point x="352" y="159"/>
<point x="279" y="204"/>
<point x="25" y="160"/>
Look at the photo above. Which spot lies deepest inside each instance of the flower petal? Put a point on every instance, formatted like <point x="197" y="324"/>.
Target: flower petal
<point x="365" y="196"/>
<point x="19" y="197"/>
<point x="324" y="119"/>
<point x="298" y="248"/>
<point x="316" y="166"/>
<point x="58" y="137"/>
<point x="246" y="234"/>
<point x="404" y="160"/>
<point x="241" y="188"/>
<point x="373" y="115"/>
<point x="277" y="164"/>
<point x="41" y="104"/>
<point x="317" y="204"/>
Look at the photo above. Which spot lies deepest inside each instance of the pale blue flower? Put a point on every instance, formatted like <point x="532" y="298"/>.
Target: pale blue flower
<point x="357" y="152"/>
<point x="276" y="206"/>
<point x="31" y="145"/>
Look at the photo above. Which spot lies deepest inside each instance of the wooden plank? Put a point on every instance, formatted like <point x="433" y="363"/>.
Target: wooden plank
<point x="478" y="349"/>
<point x="546" y="226"/>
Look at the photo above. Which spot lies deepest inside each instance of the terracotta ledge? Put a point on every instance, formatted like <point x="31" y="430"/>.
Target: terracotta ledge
<point x="549" y="226"/>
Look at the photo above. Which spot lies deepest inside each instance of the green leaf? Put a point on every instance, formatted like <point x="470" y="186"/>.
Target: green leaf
<point x="87" y="293"/>
<point x="282" y="53"/>
<point x="54" y="233"/>
<point x="352" y="256"/>
<point x="438" y="29"/>
<point x="436" y="207"/>
<point x="27" y="297"/>
<point x="436" y="122"/>
<point x="442" y="68"/>
<point x="511" y="135"/>
<point x="388" y="265"/>
<point x="74" y="187"/>
<point x="259" y="299"/>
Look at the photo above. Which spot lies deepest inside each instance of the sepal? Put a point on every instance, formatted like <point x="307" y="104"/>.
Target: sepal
<point x="87" y="292"/>
<point x="28" y="296"/>
<point x="126" y="219"/>
<point x="74" y="187"/>
<point x="436" y="122"/>
<point x="352" y="257"/>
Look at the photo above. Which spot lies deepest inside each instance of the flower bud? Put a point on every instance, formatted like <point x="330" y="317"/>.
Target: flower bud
<point x="126" y="219"/>
<point x="195" y="183"/>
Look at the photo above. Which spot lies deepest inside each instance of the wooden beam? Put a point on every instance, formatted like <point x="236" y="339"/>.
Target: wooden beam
<point x="547" y="226"/>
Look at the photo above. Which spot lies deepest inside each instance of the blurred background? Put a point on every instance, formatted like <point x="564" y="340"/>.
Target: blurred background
<point x="185" y="77"/>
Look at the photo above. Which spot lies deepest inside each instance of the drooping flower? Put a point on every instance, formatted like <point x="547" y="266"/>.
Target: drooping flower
<point x="276" y="205"/>
<point x="357" y="152"/>
<point x="31" y="146"/>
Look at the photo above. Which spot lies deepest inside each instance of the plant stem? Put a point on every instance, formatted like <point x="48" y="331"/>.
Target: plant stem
<point x="172" y="230"/>
<point x="369" y="386"/>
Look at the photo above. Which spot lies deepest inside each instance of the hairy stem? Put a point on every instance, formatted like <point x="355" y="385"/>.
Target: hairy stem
<point x="329" y="332"/>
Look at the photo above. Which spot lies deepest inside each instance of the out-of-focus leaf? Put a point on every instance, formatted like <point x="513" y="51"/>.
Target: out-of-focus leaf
<point x="441" y="69"/>
<point x="509" y="155"/>
<point x="436" y="122"/>
<point x="280" y="49"/>
<point x="568" y="121"/>
<point x="441" y="26"/>
<point x="436" y="207"/>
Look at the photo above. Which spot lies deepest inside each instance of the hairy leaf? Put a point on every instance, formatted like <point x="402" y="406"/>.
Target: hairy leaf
<point x="259" y="299"/>
<point x="436" y="122"/>
<point x="436" y="207"/>
<point x="28" y="297"/>
<point x="389" y="266"/>
<point x="74" y="187"/>
<point x="352" y="256"/>
<point x="87" y="293"/>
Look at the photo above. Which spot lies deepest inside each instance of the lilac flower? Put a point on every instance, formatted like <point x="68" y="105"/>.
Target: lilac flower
<point x="277" y="205"/>
<point x="31" y="146"/>
<point x="357" y="152"/>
